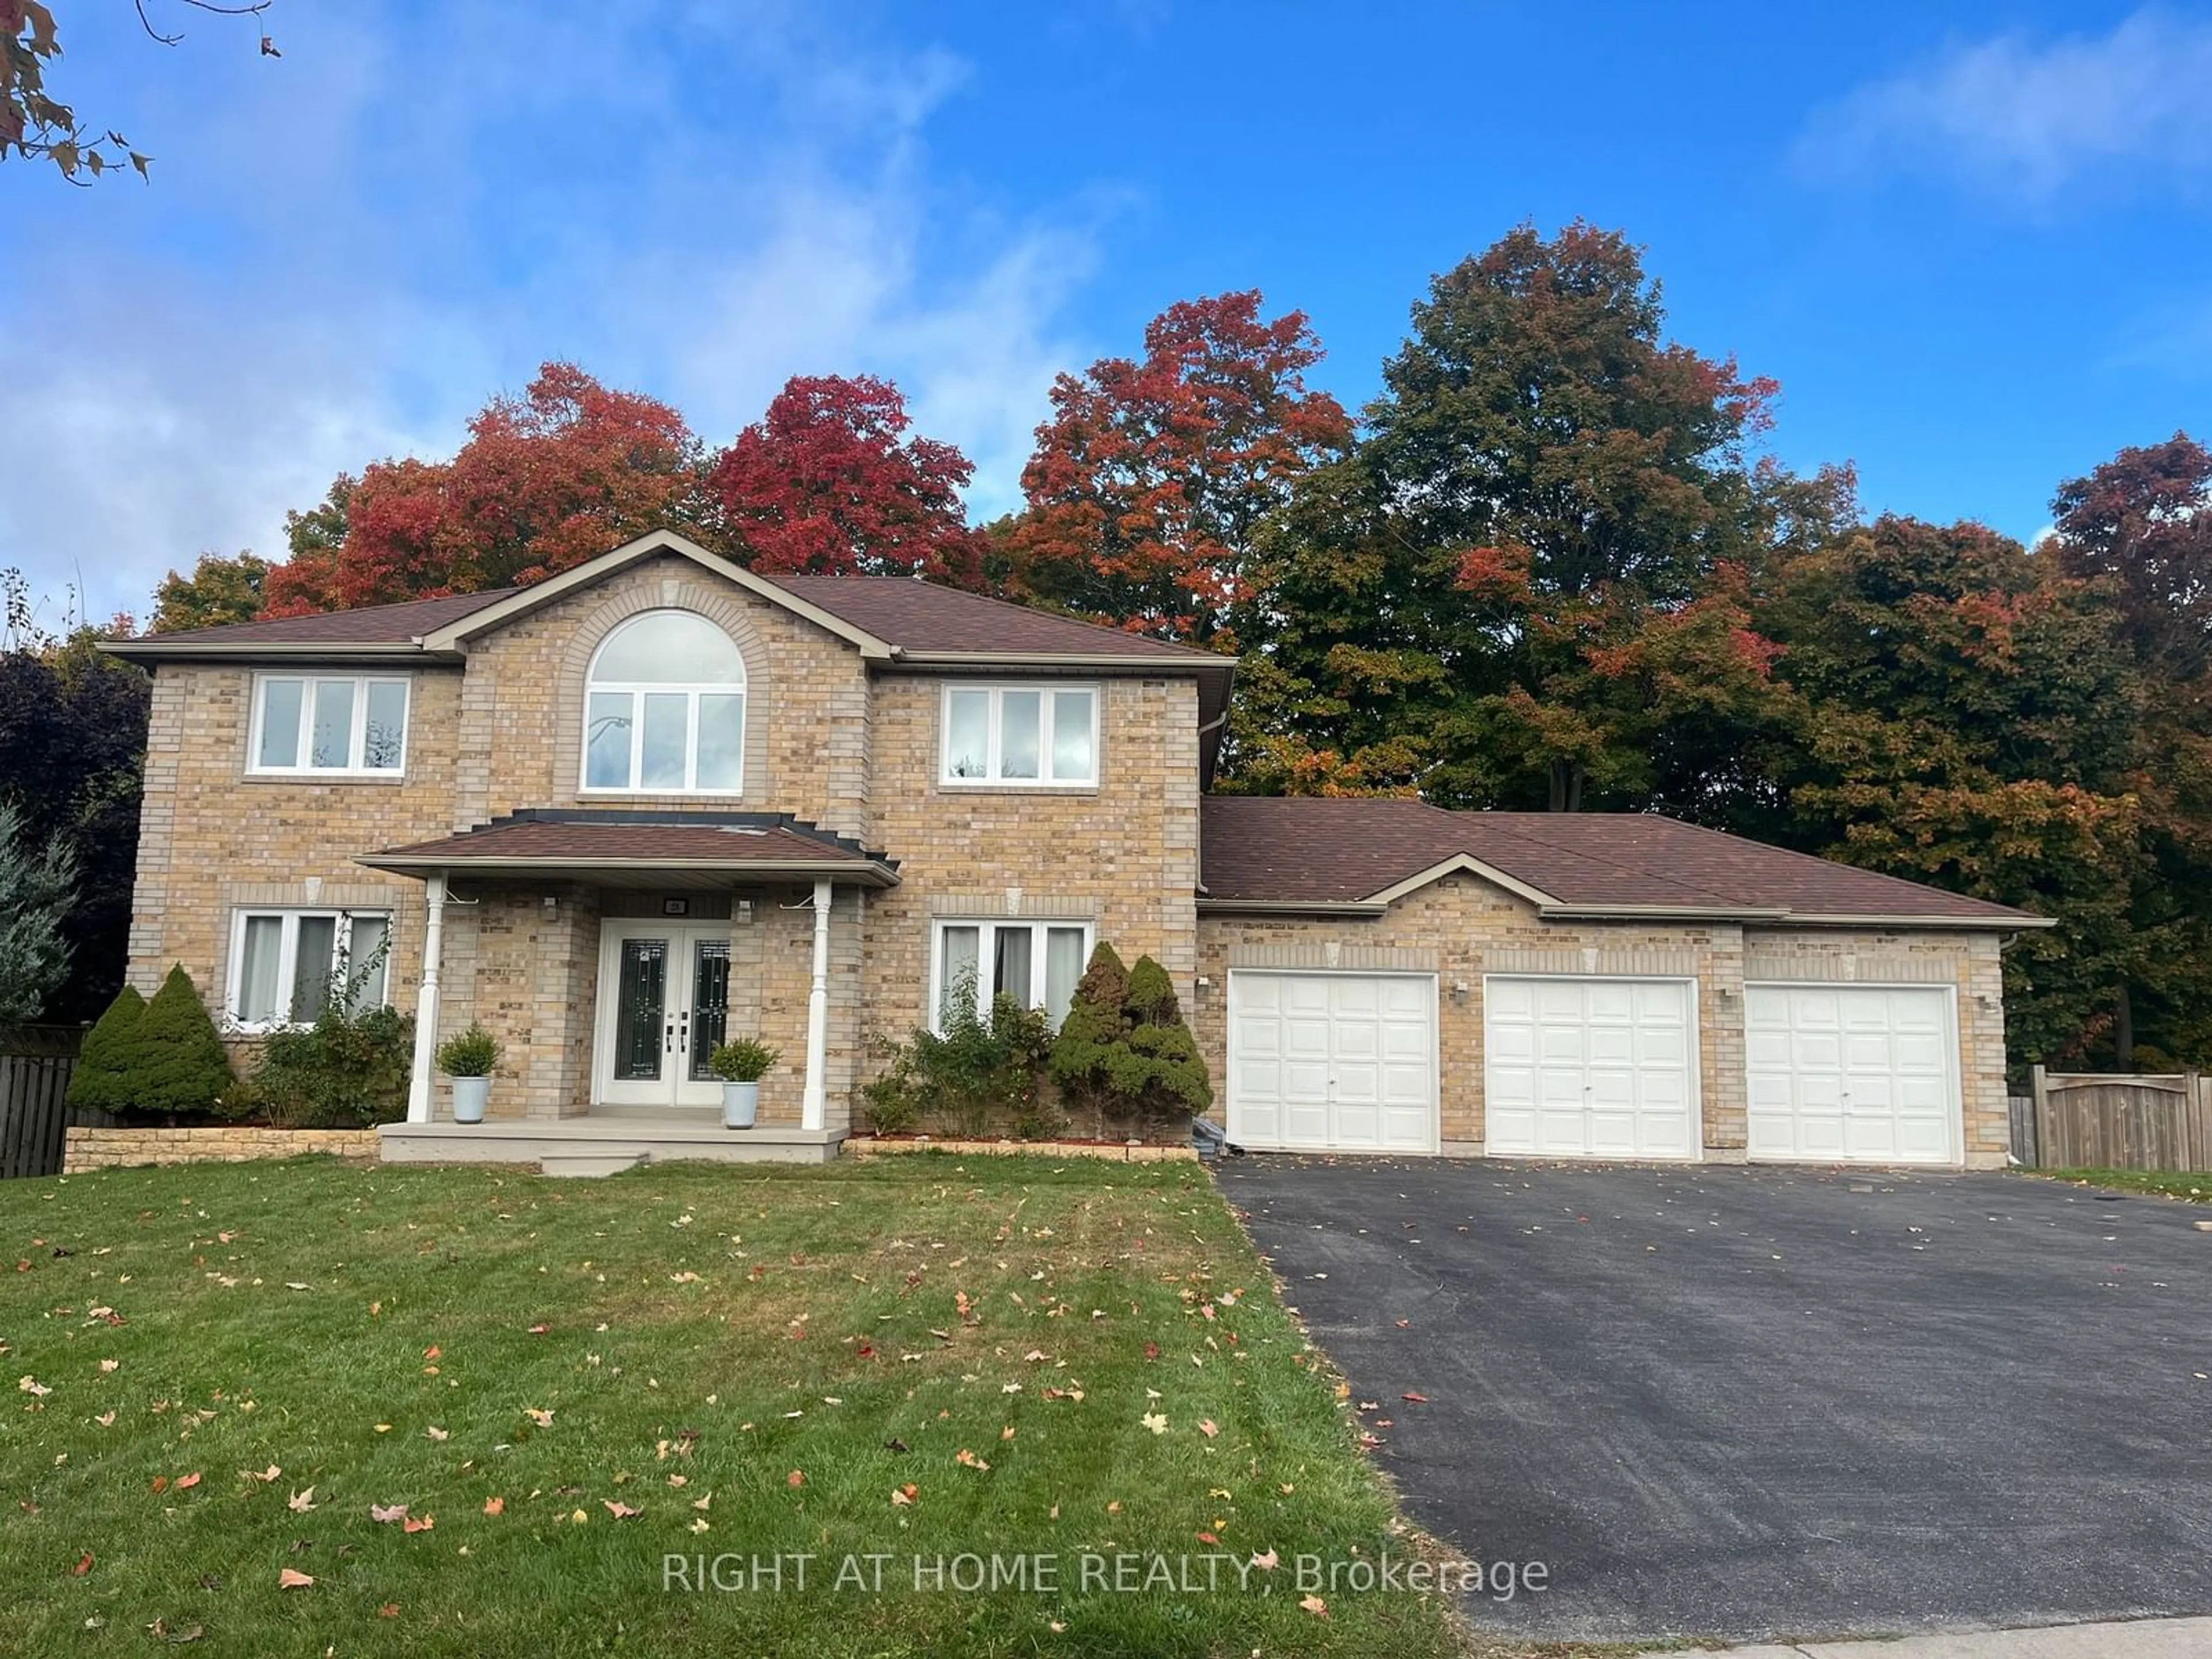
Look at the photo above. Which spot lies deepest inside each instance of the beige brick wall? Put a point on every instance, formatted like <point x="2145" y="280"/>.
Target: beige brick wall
<point x="213" y="840"/>
<point x="1462" y="928"/>
<point x="1122" y="856"/>
<point x="112" y="1148"/>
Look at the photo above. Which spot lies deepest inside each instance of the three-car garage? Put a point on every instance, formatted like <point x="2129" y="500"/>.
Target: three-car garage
<point x="1592" y="1066"/>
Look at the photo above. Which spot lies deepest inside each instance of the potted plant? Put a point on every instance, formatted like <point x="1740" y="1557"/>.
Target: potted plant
<point x="468" y="1058"/>
<point x="740" y="1064"/>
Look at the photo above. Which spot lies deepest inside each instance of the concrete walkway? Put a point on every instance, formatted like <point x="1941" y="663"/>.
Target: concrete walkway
<point x="2143" y="1639"/>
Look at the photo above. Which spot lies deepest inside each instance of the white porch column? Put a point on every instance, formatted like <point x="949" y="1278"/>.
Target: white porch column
<point x="814" y="1106"/>
<point x="426" y="1000"/>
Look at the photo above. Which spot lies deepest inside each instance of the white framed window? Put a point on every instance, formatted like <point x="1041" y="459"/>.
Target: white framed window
<point x="664" y="709"/>
<point x="284" y="961"/>
<point x="329" y="725"/>
<point x="1033" y="733"/>
<point x="1036" y="963"/>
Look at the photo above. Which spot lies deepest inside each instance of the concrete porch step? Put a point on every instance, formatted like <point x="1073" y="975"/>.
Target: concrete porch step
<point x="589" y="1164"/>
<point x="630" y="1137"/>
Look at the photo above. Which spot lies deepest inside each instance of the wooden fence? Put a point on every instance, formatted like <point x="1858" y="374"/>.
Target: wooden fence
<point x="2096" y="1121"/>
<point x="35" y="1062"/>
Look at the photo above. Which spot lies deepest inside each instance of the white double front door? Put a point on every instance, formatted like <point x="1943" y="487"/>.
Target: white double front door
<point x="664" y="1007"/>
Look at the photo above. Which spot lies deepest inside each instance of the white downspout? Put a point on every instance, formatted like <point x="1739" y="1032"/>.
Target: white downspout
<point x="814" y="1107"/>
<point x="426" y="1000"/>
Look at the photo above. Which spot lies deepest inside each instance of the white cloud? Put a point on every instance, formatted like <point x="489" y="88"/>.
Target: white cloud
<point x="687" y="204"/>
<point x="2028" y="119"/>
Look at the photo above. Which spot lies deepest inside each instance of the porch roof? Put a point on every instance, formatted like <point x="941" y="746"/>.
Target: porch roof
<point x="644" y="849"/>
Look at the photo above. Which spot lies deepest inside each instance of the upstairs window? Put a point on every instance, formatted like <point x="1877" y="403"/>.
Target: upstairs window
<point x="664" y="708"/>
<point x="329" y="725"/>
<point x="1020" y="734"/>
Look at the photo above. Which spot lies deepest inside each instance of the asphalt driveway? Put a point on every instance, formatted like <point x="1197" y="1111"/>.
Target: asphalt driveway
<point x="1752" y="1403"/>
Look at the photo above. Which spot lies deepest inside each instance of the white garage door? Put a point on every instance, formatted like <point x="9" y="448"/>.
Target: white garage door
<point x="1589" y="1068"/>
<point x="1338" y="1062"/>
<point x="1852" y="1074"/>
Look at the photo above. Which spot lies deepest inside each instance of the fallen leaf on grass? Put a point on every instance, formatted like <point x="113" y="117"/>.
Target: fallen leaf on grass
<point x="1208" y="1538"/>
<point x="495" y="1506"/>
<point x="963" y="1455"/>
<point x="83" y="1565"/>
<point x="412" y="1524"/>
<point x="106" y="1419"/>
<point x="708" y="1502"/>
<point x="1268" y="1562"/>
<point x="1208" y="1427"/>
<point x="31" y="1385"/>
<point x="389" y="1610"/>
<point x="264" y="1476"/>
<point x="903" y="1496"/>
<point x="1155" y="1421"/>
<point x="539" y="1330"/>
<point x="186" y="1482"/>
<point x="435" y="1433"/>
<point x="619" y="1511"/>
<point x="384" y="1514"/>
<point x="109" y="1365"/>
<point x="542" y="1420"/>
<point x="1315" y="1605"/>
<point x="293" y="1578"/>
<point x="301" y="1502"/>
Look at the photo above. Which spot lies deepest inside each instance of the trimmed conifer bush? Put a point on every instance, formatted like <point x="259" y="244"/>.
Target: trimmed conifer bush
<point x="174" y="1062"/>
<point x="100" y="1080"/>
<point x="1124" y="1050"/>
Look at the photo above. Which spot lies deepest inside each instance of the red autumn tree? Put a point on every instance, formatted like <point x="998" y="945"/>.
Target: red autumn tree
<point x="545" y="480"/>
<point x="829" y="481"/>
<point x="1150" y="479"/>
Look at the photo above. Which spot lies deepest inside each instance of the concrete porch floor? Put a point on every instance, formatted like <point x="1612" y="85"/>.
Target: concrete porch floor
<point x="605" y="1140"/>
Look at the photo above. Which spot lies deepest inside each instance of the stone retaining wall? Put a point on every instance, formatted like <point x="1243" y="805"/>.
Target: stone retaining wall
<point x="111" y="1149"/>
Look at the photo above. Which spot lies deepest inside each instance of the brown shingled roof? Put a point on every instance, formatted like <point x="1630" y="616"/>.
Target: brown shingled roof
<point x="371" y="624"/>
<point x="925" y="617"/>
<point x="1313" y="850"/>
<point x="912" y="616"/>
<point x="553" y="842"/>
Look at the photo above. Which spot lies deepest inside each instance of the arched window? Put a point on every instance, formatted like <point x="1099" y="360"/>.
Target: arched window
<point x="664" y="708"/>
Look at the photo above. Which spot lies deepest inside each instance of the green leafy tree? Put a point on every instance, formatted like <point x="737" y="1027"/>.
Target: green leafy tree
<point x="1965" y="713"/>
<point x="1536" y="562"/>
<point x="101" y="1080"/>
<point x="2141" y="527"/>
<point x="37" y="890"/>
<point x="175" y="1061"/>
<point x="72" y="754"/>
<point x="220" y="591"/>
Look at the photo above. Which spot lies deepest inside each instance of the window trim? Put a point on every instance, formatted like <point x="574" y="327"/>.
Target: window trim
<point x="987" y="927"/>
<point x="288" y="957"/>
<point x="356" y="739"/>
<point x="996" y="690"/>
<point x="692" y="691"/>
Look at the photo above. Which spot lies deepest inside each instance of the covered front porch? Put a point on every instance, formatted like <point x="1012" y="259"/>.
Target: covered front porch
<point x="610" y="953"/>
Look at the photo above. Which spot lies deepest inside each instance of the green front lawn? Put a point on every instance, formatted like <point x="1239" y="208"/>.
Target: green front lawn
<point x="2195" y="1185"/>
<point x="584" y="1393"/>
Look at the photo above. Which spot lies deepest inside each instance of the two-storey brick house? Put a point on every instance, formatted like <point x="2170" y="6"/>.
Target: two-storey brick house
<point x="660" y="800"/>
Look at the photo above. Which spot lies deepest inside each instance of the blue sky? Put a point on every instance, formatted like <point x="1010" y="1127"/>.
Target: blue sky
<point x="1974" y="243"/>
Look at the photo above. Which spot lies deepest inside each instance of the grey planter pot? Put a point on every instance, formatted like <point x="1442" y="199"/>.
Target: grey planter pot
<point x="470" y="1094"/>
<point x="740" y="1105"/>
